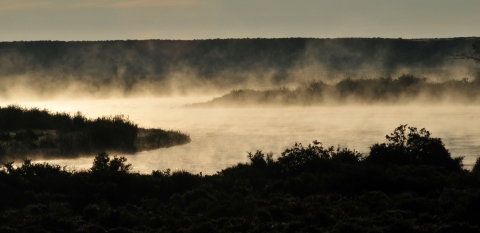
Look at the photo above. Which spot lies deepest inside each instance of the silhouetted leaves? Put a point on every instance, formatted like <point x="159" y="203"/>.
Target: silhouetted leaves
<point x="307" y="189"/>
<point x="413" y="148"/>
<point x="103" y="165"/>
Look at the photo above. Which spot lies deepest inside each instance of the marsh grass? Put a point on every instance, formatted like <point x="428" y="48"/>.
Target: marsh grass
<point x="149" y="139"/>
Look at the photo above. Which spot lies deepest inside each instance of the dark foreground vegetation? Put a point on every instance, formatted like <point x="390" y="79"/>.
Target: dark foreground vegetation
<point x="410" y="183"/>
<point x="34" y="132"/>
<point x="402" y="90"/>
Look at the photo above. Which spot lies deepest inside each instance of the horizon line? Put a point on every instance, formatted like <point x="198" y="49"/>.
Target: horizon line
<point x="253" y="38"/>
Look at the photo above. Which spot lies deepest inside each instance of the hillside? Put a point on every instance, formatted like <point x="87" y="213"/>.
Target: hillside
<point x="163" y="67"/>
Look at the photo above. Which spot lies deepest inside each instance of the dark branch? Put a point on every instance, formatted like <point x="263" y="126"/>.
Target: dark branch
<point x="469" y="56"/>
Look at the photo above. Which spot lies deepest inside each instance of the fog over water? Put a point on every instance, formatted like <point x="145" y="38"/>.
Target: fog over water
<point x="221" y="137"/>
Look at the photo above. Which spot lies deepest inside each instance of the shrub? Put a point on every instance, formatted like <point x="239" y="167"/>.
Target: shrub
<point x="29" y="169"/>
<point x="476" y="167"/>
<point x="413" y="148"/>
<point x="115" y="132"/>
<point x="149" y="139"/>
<point x="314" y="157"/>
<point x="259" y="160"/>
<point x="103" y="165"/>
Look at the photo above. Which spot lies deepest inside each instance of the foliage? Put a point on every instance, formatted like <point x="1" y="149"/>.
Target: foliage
<point x="222" y="63"/>
<point x="404" y="89"/>
<point x="259" y="160"/>
<point x="341" y="192"/>
<point x="476" y="167"/>
<point x="102" y="164"/>
<point x="149" y="139"/>
<point x="314" y="157"/>
<point x="40" y="132"/>
<point x="115" y="132"/>
<point x="413" y="148"/>
<point x="29" y="169"/>
<point x="473" y="54"/>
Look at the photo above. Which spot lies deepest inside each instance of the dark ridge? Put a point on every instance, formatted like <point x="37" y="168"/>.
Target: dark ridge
<point x="222" y="63"/>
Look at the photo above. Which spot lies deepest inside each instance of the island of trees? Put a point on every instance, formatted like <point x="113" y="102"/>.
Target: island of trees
<point x="409" y="183"/>
<point x="405" y="89"/>
<point x="40" y="133"/>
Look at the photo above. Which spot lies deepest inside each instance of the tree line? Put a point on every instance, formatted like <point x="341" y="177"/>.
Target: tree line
<point x="405" y="89"/>
<point x="220" y="62"/>
<point x="35" y="132"/>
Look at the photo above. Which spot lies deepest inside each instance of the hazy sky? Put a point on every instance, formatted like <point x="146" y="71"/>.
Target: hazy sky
<point x="200" y="19"/>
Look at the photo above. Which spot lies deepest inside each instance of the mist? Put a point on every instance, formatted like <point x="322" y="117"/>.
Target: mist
<point x="154" y="68"/>
<point x="152" y="81"/>
<point x="406" y="89"/>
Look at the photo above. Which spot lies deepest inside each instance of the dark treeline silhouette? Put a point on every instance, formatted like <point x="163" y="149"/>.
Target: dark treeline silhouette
<point x="402" y="90"/>
<point x="35" y="132"/>
<point x="219" y="63"/>
<point x="410" y="183"/>
<point x="473" y="54"/>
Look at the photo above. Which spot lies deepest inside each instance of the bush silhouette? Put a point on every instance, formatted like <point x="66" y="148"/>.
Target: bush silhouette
<point x="314" y="157"/>
<point x="476" y="167"/>
<point x="259" y="160"/>
<point x="413" y="148"/>
<point x="307" y="189"/>
<point x="103" y="165"/>
<point x="115" y="132"/>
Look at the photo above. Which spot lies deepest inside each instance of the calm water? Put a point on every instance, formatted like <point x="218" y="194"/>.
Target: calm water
<point x="222" y="137"/>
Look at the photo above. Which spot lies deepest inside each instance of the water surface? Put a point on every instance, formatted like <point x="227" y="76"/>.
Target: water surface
<point x="221" y="137"/>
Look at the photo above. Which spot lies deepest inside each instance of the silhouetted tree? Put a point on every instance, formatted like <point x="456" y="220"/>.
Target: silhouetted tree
<point x="314" y="157"/>
<point x="413" y="148"/>
<point x="476" y="167"/>
<point x="103" y="165"/>
<point x="259" y="160"/>
<point x="473" y="54"/>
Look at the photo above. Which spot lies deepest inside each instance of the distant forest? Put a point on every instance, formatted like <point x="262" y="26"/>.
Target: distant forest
<point x="405" y="89"/>
<point x="167" y="66"/>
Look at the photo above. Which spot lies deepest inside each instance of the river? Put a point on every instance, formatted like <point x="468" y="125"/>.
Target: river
<point x="221" y="137"/>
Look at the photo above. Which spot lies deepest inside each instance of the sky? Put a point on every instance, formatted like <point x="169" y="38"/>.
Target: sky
<point x="78" y="20"/>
